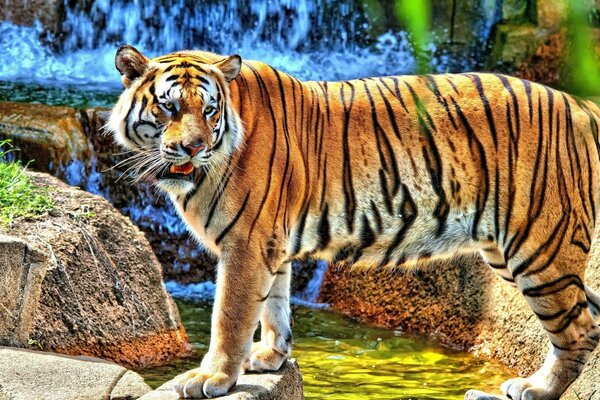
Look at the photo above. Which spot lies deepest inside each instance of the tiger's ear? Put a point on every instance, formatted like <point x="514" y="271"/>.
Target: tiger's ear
<point x="130" y="63"/>
<point x="230" y="67"/>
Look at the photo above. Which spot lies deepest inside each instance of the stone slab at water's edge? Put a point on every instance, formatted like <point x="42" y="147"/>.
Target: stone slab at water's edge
<point x="26" y="375"/>
<point x="285" y="384"/>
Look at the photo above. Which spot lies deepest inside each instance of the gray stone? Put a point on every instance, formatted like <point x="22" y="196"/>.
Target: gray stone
<point x="129" y="384"/>
<point x="477" y="395"/>
<point x="30" y="375"/>
<point x="283" y="384"/>
<point x="83" y="280"/>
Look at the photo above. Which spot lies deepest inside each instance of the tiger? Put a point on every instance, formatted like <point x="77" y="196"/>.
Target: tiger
<point x="393" y="171"/>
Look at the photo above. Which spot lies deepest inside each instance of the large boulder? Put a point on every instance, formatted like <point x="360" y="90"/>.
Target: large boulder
<point x="463" y="304"/>
<point x="83" y="280"/>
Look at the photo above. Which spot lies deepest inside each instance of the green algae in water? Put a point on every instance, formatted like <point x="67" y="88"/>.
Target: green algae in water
<point x="76" y="96"/>
<point x="341" y="359"/>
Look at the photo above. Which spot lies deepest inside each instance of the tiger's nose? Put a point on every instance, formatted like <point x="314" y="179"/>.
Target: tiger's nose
<point x="194" y="148"/>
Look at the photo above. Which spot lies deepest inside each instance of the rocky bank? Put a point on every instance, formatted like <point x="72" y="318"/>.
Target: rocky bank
<point x="461" y="303"/>
<point x="84" y="281"/>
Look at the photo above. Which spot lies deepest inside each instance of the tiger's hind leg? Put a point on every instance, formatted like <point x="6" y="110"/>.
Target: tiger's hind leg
<point x="555" y="290"/>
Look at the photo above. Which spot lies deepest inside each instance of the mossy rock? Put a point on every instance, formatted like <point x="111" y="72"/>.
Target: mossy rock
<point x="514" y="44"/>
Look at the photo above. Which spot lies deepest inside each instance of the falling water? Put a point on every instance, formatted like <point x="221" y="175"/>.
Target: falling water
<point x="323" y="39"/>
<point x="310" y="295"/>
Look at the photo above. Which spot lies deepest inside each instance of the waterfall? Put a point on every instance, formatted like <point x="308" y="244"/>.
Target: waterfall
<point x="310" y="294"/>
<point x="318" y="40"/>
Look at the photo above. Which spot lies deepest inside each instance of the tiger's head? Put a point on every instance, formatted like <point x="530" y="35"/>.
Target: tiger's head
<point x="176" y="115"/>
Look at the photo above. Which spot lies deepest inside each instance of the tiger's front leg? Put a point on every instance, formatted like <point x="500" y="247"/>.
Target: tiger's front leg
<point x="242" y="283"/>
<point x="275" y="346"/>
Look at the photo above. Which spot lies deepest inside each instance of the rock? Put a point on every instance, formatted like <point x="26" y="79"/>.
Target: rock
<point x="49" y="137"/>
<point x="283" y="384"/>
<point x="515" y="10"/>
<point x="514" y="44"/>
<point x="84" y="280"/>
<point x="460" y="31"/>
<point x="551" y="13"/>
<point x="477" y="395"/>
<point x="26" y="13"/>
<point x="463" y="304"/>
<point x="26" y="374"/>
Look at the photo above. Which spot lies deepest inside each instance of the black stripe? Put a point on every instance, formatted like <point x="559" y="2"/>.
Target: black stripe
<point x="349" y="196"/>
<point x="377" y="216"/>
<point x="217" y="199"/>
<point x="433" y="163"/>
<point x="486" y="105"/>
<point x="366" y="235"/>
<point x="387" y="200"/>
<point x="200" y="177"/>
<point x="323" y="229"/>
<point x="265" y="97"/>
<point x="323" y="86"/>
<point x="409" y="212"/>
<point x="571" y="316"/>
<point x="397" y="93"/>
<point x="323" y="191"/>
<point x="478" y="151"/>
<point x="233" y="221"/>
<point x="554" y="286"/>
<point x="527" y="86"/>
<point x="390" y="111"/>
<point x="298" y="238"/>
<point x="381" y="137"/>
<point x="287" y="142"/>
<point x="432" y="85"/>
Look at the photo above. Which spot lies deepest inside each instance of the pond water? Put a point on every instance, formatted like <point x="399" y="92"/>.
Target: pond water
<point x="341" y="359"/>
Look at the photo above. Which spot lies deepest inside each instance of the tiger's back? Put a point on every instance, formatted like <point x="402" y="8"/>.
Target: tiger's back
<point x="390" y="171"/>
<point x="413" y="168"/>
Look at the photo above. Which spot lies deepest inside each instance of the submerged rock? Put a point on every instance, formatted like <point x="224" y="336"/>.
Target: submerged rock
<point x="84" y="280"/>
<point x="26" y="374"/>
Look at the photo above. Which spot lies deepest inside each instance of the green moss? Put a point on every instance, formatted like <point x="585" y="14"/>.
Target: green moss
<point x="19" y="197"/>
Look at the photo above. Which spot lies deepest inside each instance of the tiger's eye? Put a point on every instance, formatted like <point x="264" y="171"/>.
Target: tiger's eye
<point x="168" y="105"/>
<point x="208" y="110"/>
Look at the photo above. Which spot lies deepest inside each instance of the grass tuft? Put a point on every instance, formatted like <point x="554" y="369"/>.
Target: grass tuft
<point x="19" y="197"/>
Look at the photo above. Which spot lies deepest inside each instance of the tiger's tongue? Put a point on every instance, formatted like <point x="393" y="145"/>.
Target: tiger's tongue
<point x="183" y="169"/>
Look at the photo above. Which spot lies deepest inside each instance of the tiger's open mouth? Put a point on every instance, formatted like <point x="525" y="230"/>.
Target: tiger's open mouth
<point x="183" y="171"/>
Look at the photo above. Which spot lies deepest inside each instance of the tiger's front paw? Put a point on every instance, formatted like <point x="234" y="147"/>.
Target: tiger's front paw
<point x="196" y="384"/>
<point x="264" y="358"/>
<point x="526" y="389"/>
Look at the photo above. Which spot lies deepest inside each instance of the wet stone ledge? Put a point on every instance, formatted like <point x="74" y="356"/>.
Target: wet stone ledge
<point x="283" y="384"/>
